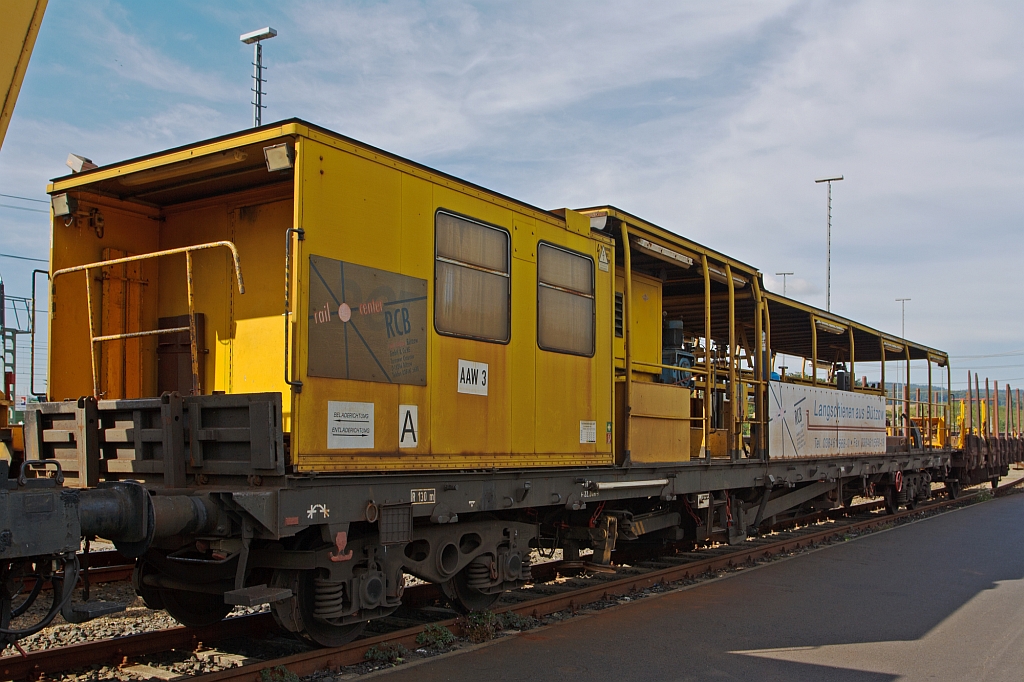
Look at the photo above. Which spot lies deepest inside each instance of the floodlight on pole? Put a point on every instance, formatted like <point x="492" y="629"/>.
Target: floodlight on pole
<point x="828" y="257"/>
<point x="782" y="364"/>
<point x="903" y="332"/>
<point x="784" y="275"/>
<point x="903" y="317"/>
<point x="255" y="39"/>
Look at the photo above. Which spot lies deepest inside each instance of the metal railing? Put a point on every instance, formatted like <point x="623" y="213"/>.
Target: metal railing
<point x="94" y="340"/>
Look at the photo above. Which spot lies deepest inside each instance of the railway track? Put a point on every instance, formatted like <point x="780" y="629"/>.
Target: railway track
<point x="550" y="594"/>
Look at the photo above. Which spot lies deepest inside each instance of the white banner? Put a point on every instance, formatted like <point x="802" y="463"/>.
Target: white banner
<point x="821" y="422"/>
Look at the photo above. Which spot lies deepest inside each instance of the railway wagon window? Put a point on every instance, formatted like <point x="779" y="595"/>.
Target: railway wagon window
<point x="565" y="301"/>
<point x="471" y="279"/>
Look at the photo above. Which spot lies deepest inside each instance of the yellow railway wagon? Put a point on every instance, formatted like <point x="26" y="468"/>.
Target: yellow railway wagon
<point x="406" y="288"/>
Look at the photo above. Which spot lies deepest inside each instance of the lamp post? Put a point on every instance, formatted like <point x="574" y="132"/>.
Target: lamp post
<point x="903" y="317"/>
<point x="254" y="38"/>
<point x="782" y="366"/>
<point x="783" y="275"/>
<point x="903" y="333"/>
<point x="828" y="257"/>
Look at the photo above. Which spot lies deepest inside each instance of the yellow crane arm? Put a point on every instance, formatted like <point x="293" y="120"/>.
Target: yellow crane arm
<point x="21" y="19"/>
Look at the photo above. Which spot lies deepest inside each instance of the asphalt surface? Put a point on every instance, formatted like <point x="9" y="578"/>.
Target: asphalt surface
<point x="942" y="599"/>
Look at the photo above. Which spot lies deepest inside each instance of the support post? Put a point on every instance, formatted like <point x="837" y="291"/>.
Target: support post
<point x="92" y="335"/>
<point x="814" y="352"/>
<point x="995" y="409"/>
<point x="906" y="394"/>
<point x="930" y="401"/>
<point x="977" y="399"/>
<point x="988" y="410"/>
<point x="1009" y="404"/>
<point x="708" y="374"/>
<point x="885" y="391"/>
<point x="733" y="434"/>
<point x="627" y="327"/>
<point x="759" y="371"/>
<point x="969" y="420"/>
<point x="853" y="374"/>
<point x="193" y="341"/>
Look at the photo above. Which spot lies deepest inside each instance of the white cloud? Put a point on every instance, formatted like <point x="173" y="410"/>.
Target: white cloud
<point x="110" y="44"/>
<point x="711" y="120"/>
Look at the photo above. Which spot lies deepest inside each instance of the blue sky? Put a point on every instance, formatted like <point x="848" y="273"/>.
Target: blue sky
<point x="711" y="119"/>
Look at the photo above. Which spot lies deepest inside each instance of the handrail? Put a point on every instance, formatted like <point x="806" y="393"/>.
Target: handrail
<point x="32" y="336"/>
<point x="193" y="341"/>
<point x="160" y="254"/>
<point x="301" y="234"/>
<point x="653" y="365"/>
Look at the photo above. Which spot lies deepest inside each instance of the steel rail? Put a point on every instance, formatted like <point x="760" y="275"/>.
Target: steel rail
<point x="115" y="651"/>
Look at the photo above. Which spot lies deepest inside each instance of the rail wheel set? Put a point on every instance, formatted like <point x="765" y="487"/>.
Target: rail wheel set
<point x="289" y="368"/>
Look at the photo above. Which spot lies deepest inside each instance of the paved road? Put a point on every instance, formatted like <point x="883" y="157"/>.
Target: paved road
<point x="942" y="599"/>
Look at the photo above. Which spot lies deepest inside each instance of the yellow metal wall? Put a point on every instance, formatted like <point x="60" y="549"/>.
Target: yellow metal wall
<point x="126" y="228"/>
<point x="244" y="332"/>
<point x="645" y="309"/>
<point x="361" y="208"/>
<point x="371" y="211"/>
<point x="659" y="423"/>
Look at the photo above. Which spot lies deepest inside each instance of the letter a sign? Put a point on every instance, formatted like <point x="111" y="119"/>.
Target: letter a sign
<point x="408" y="426"/>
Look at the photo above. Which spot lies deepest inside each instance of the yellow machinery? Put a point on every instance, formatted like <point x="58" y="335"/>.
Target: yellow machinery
<point x="461" y="328"/>
<point x="22" y="19"/>
<point x="356" y="231"/>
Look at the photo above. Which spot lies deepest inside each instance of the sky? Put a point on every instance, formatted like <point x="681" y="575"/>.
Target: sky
<point x="710" y="119"/>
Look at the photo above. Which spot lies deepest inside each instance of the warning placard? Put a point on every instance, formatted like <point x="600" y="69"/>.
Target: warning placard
<point x="349" y="426"/>
<point x="588" y="432"/>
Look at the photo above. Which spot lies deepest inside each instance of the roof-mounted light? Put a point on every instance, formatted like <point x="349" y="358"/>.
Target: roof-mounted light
<point x="829" y="327"/>
<point x="719" y="276"/>
<point x="63" y="205"/>
<point x="77" y="163"/>
<point x="279" y="157"/>
<point x="660" y="252"/>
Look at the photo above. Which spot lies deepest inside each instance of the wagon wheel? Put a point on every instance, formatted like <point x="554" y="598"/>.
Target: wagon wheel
<point x="464" y="598"/>
<point x="150" y="595"/>
<point x="295" y="614"/>
<point x="193" y="609"/>
<point x="953" y="488"/>
<point x="891" y="505"/>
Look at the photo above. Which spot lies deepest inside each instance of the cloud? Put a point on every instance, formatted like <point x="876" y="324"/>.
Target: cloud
<point x="711" y="120"/>
<point x="115" y="46"/>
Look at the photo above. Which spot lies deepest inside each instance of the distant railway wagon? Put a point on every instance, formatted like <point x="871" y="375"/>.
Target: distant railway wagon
<point x="286" y="367"/>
